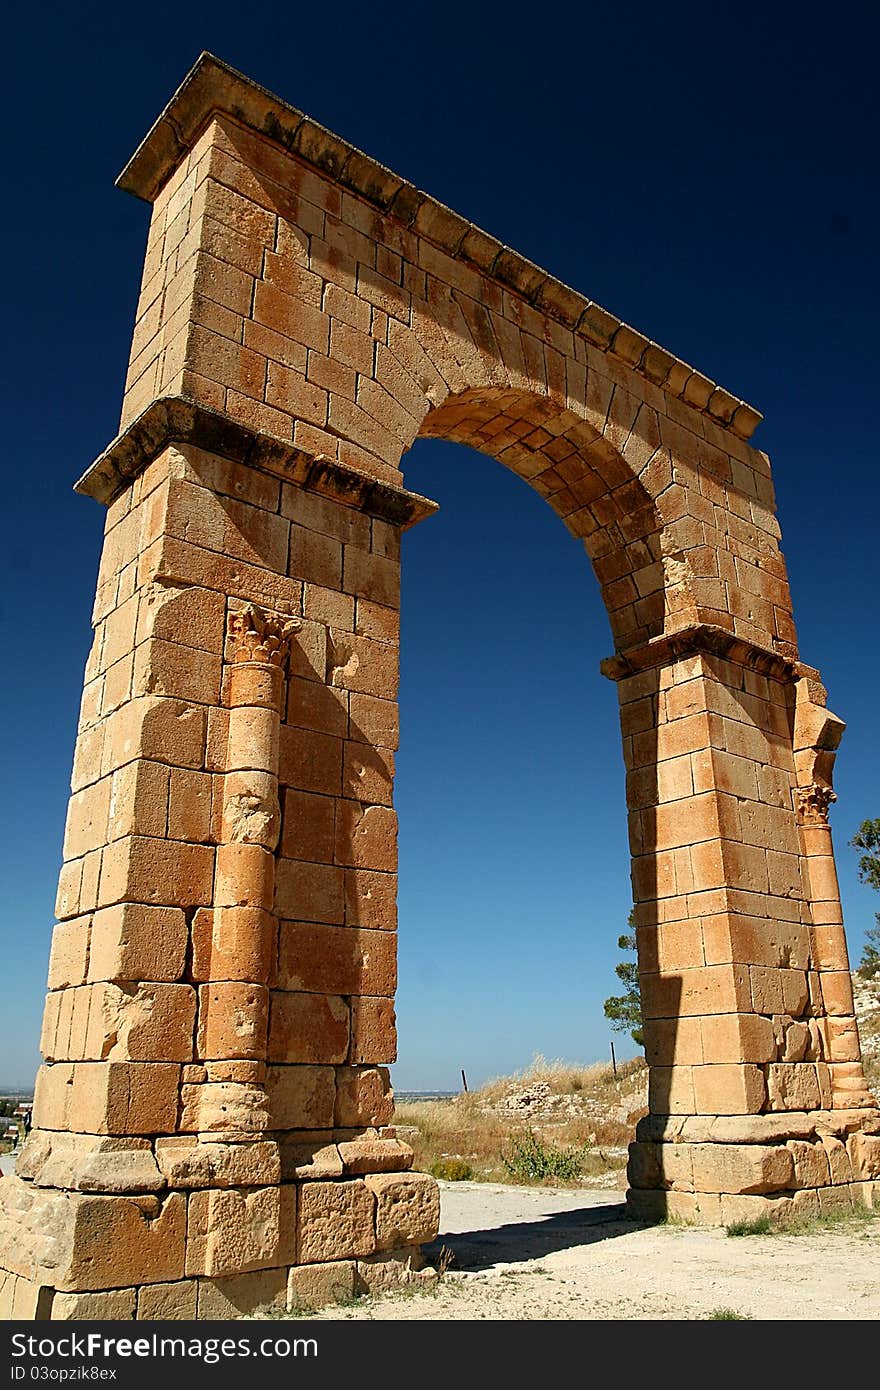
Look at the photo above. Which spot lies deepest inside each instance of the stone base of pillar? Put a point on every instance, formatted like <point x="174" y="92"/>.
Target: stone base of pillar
<point x="714" y="1170"/>
<point x="214" y="1252"/>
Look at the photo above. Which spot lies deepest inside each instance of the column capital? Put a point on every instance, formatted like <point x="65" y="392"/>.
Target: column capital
<point x="813" y="802"/>
<point x="261" y="636"/>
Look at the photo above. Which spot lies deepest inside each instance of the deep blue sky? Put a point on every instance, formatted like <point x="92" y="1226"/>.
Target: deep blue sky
<point x="706" y="172"/>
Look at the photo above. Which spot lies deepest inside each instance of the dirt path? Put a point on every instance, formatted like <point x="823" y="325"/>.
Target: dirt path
<point x="533" y="1253"/>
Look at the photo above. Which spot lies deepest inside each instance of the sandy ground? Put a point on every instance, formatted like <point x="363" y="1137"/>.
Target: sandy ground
<point x="536" y="1254"/>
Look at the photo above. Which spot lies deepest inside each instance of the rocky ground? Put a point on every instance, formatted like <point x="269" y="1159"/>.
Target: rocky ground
<point x="545" y="1253"/>
<point x="539" y="1254"/>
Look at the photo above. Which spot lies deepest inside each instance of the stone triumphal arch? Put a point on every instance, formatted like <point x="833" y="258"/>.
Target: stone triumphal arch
<point x="212" y="1124"/>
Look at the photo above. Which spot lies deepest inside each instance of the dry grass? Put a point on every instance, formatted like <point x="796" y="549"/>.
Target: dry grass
<point x="868" y="1012"/>
<point x="589" y="1109"/>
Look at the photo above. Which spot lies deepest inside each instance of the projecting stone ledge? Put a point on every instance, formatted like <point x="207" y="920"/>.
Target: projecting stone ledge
<point x="177" y="420"/>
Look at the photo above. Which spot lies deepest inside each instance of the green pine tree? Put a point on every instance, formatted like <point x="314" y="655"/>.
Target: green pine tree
<point x="867" y="839"/>
<point x="625" y="1010"/>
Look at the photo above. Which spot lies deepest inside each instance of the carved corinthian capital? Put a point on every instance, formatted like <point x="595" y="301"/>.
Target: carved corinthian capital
<point x="257" y="635"/>
<point x="813" y="802"/>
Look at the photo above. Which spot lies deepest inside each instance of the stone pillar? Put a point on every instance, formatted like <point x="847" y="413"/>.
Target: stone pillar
<point x="740" y="1007"/>
<point x="234" y="942"/>
<point x="212" y="1121"/>
<point x="817" y="734"/>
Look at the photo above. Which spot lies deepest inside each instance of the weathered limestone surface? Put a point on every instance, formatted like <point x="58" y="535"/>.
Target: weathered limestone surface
<point x="211" y="1118"/>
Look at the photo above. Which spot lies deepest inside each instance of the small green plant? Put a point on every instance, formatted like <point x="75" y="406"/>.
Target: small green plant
<point x="530" y="1159"/>
<point x="846" y="1217"/>
<point x="760" y="1226"/>
<point x="727" y="1315"/>
<point x="867" y="839"/>
<point x="625" y="1010"/>
<point x="452" y="1170"/>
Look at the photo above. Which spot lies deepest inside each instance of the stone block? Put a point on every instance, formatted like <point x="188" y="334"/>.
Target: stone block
<point x="251" y="810"/>
<point x="308" y="1028"/>
<point x="368" y="774"/>
<point x="140" y="1022"/>
<point x="793" y="1086"/>
<point x="233" y="943"/>
<point x="644" y="1168"/>
<point x="393" y="1269"/>
<point x="139" y="799"/>
<point x="373" y="1030"/>
<point x="671" y="1090"/>
<point x="146" y="870"/>
<point x="728" y="1089"/>
<point x="134" y="942"/>
<point x="125" y="1098"/>
<point x="837" y="995"/>
<point x="366" y="836"/>
<point x="187" y="1163"/>
<point x="233" y="1020"/>
<point x="192" y="616"/>
<point x="316" y="708"/>
<point x="336" y="960"/>
<point x="174" y="1302"/>
<point x="864" y="1152"/>
<point x="52" y="1091"/>
<point x="232" y="1230"/>
<point x="310" y="1157"/>
<point x="753" y="1208"/>
<point x="317" y="1285"/>
<point x="374" y="721"/>
<point x="252" y="739"/>
<point x="309" y="892"/>
<point x="245" y="877"/>
<point x="190" y="804"/>
<point x="836" y="1199"/>
<point x="370" y="899"/>
<point x="78" y="1243"/>
<point x="243" y="1295"/>
<point x="69" y="956"/>
<point x="336" y="1221"/>
<point x="375" y="1155"/>
<point x="407" y="1208"/>
<point x="710" y="990"/>
<point x="360" y="664"/>
<point x="363" y="1096"/>
<point x="839" y="1164"/>
<point x="89" y="1163"/>
<point x="735" y="1168"/>
<point x="301" y="1097"/>
<point x="165" y="730"/>
<point x="810" y="1163"/>
<point x="117" y="1305"/>
<point x="310" y="761"/>
<point x="308" y="827"/>
<point x="691" y="1208"/>
<point x="222" y="1108"/>
<point x="742" y="1037"/>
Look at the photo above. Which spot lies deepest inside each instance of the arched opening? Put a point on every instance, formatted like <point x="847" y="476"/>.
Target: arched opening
<point x="514" y="871"/>
<point x="603" y="497"/>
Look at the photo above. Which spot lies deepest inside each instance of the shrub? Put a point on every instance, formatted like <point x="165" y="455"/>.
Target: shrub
<point x="531" y="1159"/>
<point x="761" y="1226"/>
<point x="452" y="1170"/>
